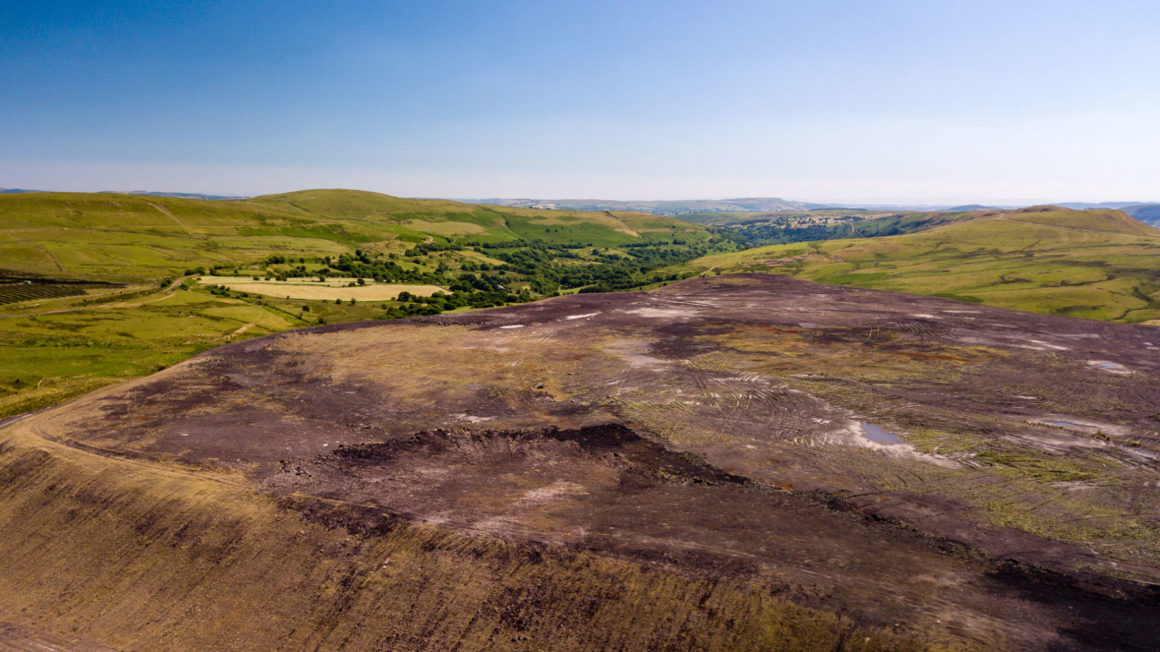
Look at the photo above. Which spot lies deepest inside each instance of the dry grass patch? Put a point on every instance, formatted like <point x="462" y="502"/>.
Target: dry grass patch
<point x="328" y="290"/>
<point x="444" y="228"/>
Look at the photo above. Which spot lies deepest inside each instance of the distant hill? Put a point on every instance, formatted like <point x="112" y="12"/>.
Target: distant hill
<point x="145" y="193"/>
<point x="1099" y="264"/>
<point x="673" y="207"/>
<point x="1115" y="205"/>
<point x="125" y="237"/>
<point x="1146" y="213"/>
<point x="970" y="207"/>
<point x="186" y="195"/>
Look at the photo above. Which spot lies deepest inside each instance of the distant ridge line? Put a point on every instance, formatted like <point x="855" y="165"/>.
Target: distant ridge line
<point x="1145" y="211"/>
<point x="143" y="193"/>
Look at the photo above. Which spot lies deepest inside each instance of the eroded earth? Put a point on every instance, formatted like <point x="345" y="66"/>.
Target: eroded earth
<point x="968" y="475"/>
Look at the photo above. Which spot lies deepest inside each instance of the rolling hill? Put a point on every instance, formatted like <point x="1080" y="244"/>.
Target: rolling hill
<point x="1098" y="264"/>
<point x="96" y="288"/>
<point x="664" y="207"/>
<point x="130" y="237"/>
<point x="1146" y="213"/>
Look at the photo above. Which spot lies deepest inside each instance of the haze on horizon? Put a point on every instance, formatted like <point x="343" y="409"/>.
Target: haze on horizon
<point x="899" y="101"/>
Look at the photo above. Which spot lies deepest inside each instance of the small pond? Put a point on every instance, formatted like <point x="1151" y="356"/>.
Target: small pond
<point x="1065" y="424"/>
<point x="879" y="435"/>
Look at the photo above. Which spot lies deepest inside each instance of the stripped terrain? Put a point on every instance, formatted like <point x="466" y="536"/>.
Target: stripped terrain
<point x="741" y="461"/>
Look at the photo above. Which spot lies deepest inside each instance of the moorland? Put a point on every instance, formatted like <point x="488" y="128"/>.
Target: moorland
<point x="346" y="420"/>
<point x="748" y="461"/>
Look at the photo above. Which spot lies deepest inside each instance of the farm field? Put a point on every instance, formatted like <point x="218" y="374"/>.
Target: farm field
<point x="1096" y="264"/>
<point x="327" y="290"/>
<point x="747" y="458"/>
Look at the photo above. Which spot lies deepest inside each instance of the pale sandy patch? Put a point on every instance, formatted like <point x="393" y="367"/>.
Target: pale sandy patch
<point x="663" y="313"/>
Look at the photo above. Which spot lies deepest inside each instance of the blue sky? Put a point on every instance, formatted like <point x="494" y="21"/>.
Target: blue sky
<point x="887" y="101"/>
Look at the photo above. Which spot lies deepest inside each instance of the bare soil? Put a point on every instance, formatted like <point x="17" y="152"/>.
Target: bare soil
<point x="712" y="427"/>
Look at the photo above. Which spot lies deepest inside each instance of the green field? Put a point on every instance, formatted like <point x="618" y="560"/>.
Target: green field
<point x="131" y="237"/>
<point x="1097" y="264"/>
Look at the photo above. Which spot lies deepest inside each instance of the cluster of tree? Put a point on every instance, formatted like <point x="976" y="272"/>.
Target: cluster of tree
<point x="361" y="265"/>
<point x="530" y="269"/>
<point x="278" y="259"/>
<point x="523" y="244"/>
<point x="465" y="297"/>
<point x="425" y="248"/>
<point x="547" y="268"/>
<point x="223" y="291"/>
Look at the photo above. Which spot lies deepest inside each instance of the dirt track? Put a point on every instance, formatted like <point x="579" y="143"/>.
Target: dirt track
<point x="714" y="426"/>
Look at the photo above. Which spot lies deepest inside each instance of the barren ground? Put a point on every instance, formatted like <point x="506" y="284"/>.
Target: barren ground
<point x="959" y="474"/>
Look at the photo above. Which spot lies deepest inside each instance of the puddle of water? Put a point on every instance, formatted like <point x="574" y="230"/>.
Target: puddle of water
<point x="1113" y="367"/>
<point x="1064" y="424"/>
<point x="878" y="435"/>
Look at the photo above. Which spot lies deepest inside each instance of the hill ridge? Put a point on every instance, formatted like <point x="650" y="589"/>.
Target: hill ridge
<point x="1098" y="264"/>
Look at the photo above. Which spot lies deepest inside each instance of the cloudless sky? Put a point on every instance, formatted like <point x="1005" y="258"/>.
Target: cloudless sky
<point x="860" y="100"/>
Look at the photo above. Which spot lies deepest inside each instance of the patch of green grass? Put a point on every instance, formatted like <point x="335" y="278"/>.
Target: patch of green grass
<point x="51" y="356"/>
<point x="1092" y="264"/>
<point x="130" y="237"/>
<point x="1038" y="467"/>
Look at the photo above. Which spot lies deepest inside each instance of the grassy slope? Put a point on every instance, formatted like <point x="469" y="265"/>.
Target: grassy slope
<point x="51" y="350"/>
<point x="48" y="357"/>
<point x="1094" y="264"/>
<point x="132" y="238"/>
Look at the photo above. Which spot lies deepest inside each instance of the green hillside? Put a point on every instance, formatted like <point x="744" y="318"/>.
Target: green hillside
<point x="96" y="288"/>
<point x="1098" y="264"/>
<point x="132" y="237"/>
